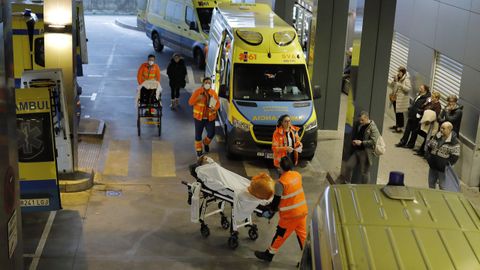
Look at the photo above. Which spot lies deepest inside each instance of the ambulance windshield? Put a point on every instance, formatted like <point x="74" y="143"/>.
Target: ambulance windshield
<point x="271" y="82"/>
<point x="205" y="16"/>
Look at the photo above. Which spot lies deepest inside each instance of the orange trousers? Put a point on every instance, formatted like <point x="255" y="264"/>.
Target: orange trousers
<point x="285" y="228"/>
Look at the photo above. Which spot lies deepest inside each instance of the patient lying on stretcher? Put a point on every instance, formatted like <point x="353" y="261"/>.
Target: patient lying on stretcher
<point x="247" y="194"/>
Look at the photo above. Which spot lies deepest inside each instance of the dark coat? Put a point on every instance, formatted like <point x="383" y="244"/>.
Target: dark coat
<point x="176" y="73"/>
<point x="417" y="106"/>
<point x="453" y="116"/>
<point x="441" y="154"/>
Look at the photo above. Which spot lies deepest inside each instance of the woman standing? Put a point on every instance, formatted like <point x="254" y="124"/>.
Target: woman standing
<point x="285" y="141"/>
<point x="176" y="72"/>
<point x="399" y="97"/>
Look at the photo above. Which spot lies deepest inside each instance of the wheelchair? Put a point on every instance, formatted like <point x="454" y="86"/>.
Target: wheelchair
<point x="149" y="110"/>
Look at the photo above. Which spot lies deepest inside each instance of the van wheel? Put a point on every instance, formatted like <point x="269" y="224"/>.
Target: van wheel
<point x="199" y="58"/>
<point x="157" y="43"/>
<point x="230" y="155"/>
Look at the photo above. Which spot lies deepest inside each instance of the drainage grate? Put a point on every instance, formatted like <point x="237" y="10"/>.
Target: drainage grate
<point x="89" y="150"/>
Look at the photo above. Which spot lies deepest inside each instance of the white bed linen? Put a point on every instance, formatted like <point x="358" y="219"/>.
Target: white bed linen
<point x="217" y="178"/>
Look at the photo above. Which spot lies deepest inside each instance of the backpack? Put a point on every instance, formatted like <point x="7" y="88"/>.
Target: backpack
<point x="380" y="147"/>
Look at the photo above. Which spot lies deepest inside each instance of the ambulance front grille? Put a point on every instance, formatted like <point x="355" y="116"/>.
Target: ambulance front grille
<point x="265" y="133"/>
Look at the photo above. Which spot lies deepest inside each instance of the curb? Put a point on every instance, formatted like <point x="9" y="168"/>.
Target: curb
<point x="125" y="25"/>
<point x="76" y="182"/>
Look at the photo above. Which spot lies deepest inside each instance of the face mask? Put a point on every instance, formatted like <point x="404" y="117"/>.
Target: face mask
<point x="150" y="63"/>
<point x="207" y="86"/>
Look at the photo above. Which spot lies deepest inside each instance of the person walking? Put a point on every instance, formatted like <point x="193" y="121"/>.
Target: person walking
<point x="443" y="150"/>
<point x="452" y="113"/>
<point x="399" y="97"/>
<point x="365" y="136"/>
<point x="285" y="141"/>
<point x="176" y="72"/>
<point x="415" y="113"/>
<point x="289" y="200"/>
<point x="148" y="71"/>
<point x="205" y="106"/>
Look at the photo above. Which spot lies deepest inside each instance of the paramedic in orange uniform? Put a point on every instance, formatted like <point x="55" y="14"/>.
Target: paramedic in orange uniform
<point x="205" y="106"/>
<point x="148" y="71"/>
<point x="290" y="201"/>
<point x="285" y="141"/>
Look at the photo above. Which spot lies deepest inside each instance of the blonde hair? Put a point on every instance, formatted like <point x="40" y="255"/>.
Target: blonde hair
<point x="436" y="95"/>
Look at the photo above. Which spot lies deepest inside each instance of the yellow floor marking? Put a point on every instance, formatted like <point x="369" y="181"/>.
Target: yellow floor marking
<point x="117" y="158"/>
<point x="163" y="159"/>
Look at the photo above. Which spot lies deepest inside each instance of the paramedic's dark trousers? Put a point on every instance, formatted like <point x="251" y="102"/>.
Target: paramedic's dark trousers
<point x="199" y="127"/>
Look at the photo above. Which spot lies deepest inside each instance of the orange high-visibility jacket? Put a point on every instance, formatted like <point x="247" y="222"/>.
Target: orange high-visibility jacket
<point x="280" y="143"/>
<point x="292" y="203"/>
<point x="145" y="72"/>
<point x="200" y="106"/>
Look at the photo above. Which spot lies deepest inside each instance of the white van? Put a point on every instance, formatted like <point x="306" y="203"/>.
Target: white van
<point x="182" y="25"/>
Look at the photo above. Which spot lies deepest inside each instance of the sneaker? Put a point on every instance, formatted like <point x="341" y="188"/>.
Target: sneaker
<point x="199" y="153"/>
<point x="393" y="127"/>
<point x="206" y="147"/>
<point x="265" y="255"/>
<point x="400" y="144"/>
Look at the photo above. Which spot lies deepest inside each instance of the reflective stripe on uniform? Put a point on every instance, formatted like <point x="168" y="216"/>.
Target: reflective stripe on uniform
<point x="286" y="208"/>
<point x="292" y="194"/>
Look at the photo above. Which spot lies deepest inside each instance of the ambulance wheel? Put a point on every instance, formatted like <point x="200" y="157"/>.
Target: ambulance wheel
<point x="233" y="242"/>
<point x="224" y="222"/>
<point x="199" y="58"/>
<point x="309" y="158"/>
<point x="253" y="233"/>
<point x="157" y="43"/>
<point x="204" y="231"/>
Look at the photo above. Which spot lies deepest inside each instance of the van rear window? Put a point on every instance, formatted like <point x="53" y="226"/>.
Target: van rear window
<point x="271" y="82"/>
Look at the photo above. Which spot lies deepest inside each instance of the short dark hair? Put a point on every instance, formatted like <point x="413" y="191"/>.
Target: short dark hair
<point x="206" y="78"/>
<point x="427" y="88"/>
<point x="151" y="56"/>
<point x="403" y="70"/>
<point x="364" y="113"/>
<point x="280" y="120"/>
<point x="286" y="164"/>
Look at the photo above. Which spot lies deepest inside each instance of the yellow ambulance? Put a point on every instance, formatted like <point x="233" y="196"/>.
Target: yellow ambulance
<point x="392" y="227"/>
<point x="258" y="68"/>
<point x="182" y="25"/>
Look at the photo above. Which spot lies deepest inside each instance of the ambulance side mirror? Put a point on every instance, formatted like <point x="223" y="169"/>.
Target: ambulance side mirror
<point x="222" y="92"/>
<point x="316" y="92"/>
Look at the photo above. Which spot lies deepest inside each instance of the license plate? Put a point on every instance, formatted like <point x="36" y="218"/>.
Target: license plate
<point x="34" y="202"/>
<point x="260" y="154"/>
<point x="269" y="155"/>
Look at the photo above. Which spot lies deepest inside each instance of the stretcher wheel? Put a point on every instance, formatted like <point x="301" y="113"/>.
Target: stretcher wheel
<point x="233" y="242"/>
<point x="253" y="233"/>
<point x="204" y="231"/>
<point x="224" y="222"/>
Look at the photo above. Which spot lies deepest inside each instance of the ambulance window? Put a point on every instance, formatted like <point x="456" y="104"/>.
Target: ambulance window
<point x="179" y="13"/>
<point x="39" y="49"/>
<point x="189" y="16"/>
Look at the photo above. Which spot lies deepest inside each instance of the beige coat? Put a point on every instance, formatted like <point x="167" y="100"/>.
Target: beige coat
<point x="402" y="89"/>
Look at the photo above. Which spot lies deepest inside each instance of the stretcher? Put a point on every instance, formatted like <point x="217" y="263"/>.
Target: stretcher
<point x="217" y="186"/>
<point x="149" y="105"/>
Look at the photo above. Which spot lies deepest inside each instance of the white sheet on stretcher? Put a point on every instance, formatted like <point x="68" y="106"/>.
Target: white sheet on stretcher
<point x="219" y="179"/>
<point x="149" y="84"/>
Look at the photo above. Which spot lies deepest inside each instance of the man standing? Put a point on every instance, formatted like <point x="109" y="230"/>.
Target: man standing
<point x="176" y="72"/>
<point x="443" y="150"/>
<point x="290" y="201"/>
<point x="365" y="136"/>
<point x="415" y="112"/>
<point x="148" y="71"/>
<point x="205" y="106"/>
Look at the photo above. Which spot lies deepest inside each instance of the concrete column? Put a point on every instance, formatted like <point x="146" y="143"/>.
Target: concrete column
<point x="327" y="51"/>
<point x="60" y="53"/>
<point x="11" y="249"/>
<point x="376" y="42"/>
<point x="284" y="9"/>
